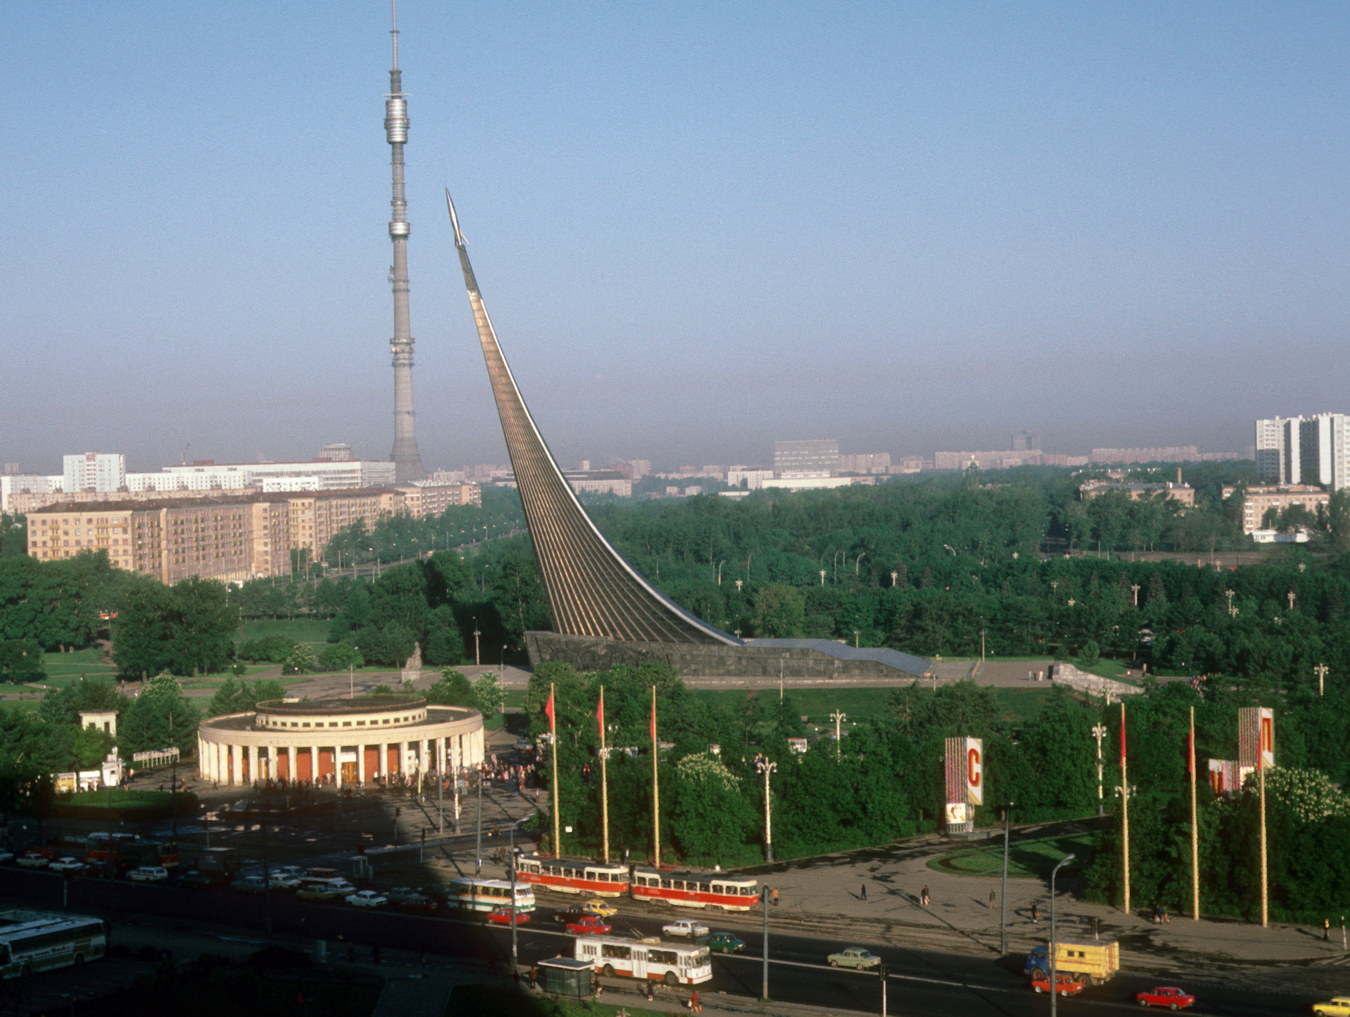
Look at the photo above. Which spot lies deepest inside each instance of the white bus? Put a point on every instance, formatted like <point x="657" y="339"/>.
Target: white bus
<point x="33" y="941"/>
<point x="648" y="959"/>
<point x="486" y="894"/>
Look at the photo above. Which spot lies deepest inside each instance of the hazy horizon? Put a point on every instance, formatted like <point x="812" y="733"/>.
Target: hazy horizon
<point x="698" y="227"/>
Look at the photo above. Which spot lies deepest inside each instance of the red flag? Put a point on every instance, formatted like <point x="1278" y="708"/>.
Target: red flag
<point x="548" y="710"/>
<point x="1122" y="736"/>
<point x="600" y="713"/>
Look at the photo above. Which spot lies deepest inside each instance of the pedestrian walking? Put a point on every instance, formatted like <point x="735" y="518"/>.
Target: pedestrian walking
<point x="992" y="897"/>
<point x="923" y="895"/>
<point x="695" y="1004"/>
<point x="864" y="891"/>
<point x="1326" y="930"/>
<point x="1035" y="912"/>
<point x="773" y="896"/>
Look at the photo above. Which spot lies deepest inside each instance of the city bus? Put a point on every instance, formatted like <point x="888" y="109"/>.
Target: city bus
<point x="573" y="875"/>
<point x="486" y="894"/>
<point x="33" y="941"/>
<point x="648" y="959"/>
<point x="695" y="890"/>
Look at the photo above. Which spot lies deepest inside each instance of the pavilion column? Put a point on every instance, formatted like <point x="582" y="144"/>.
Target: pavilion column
<point x="290" y="762"/>
<point x="361" y="762"/>
<point x="252" y="763"/>
<point x="423" y="751"/>
<point x="222" y="762"/>
<point x="337" y="765"/>
<point x="314" y="764"/>
<point x="402" y="756"/>
<point x="384" y="759"/>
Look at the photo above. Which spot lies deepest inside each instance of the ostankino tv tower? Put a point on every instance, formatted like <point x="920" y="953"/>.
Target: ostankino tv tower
<point x="407" y="459"/>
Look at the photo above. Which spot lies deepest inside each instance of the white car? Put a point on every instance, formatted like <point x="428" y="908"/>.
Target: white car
<point x="148" y="873"/>
<point x="34" y="860"/>
<point x="367" y="899"/>
<point x="283" y="881"/>
<point x="66" y="864"/>
<point x="685" y="928"/>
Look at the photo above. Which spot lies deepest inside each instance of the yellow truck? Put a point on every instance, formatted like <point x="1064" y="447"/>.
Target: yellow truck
<point x="1094" y="963"/>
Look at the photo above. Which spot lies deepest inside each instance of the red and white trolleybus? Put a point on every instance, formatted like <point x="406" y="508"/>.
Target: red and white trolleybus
<point x="648" y="959"/>
<point x="573" y="875"/>
<point x="695" y="889"/>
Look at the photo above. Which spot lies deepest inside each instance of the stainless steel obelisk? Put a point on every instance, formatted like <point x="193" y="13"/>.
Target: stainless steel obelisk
<point x="407" y="459"/>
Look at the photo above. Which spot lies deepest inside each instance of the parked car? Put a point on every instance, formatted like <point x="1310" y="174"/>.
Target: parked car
<point x="66" y="864"/>
<point x="602" y="908"/>
<point x="1336" y="1006"/>
<point x="685" y="928"/>
<point x="366" y="899"/>
<point x="148" y="873"/>
<point x="724" y="942"/>
<point x="590" y="925"/>
<point x="195" y="879"/>
<point x="283" y="881"/>
<point x="854" y="957"/>
<point x="34" y="860"/>
<point x="1165" y="995"/>
<point x="505" y="915"/>
<point x="6" y="856"/>
<point x="248" y="884"/>
<point x="1065" y="985"/>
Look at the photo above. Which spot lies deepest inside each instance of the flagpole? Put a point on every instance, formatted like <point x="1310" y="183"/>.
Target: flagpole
<point x="604" y="780"/>
<point x="1124" y="810"/>
<point x="1195" y="828"/>
<point x="553" y="746"/>
<point x="1261" y="784"/>
<point x="656" y="786"/>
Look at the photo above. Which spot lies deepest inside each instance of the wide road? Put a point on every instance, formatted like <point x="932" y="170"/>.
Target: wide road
<point x="922" y="983"/>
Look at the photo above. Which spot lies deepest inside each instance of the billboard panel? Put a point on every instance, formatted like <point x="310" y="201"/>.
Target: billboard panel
<point x="1256" y="737"/>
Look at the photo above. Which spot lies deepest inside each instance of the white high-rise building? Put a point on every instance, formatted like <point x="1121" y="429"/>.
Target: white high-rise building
<point x="95" y="471"/>
<point x="1305" y="450"/>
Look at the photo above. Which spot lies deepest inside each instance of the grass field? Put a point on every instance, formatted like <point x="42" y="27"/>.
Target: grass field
<point x="1026" y="858"/>
<point x="303" y="630"/>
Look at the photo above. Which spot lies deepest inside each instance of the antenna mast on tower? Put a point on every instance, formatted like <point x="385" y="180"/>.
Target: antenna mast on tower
<point x="407" y="459"/>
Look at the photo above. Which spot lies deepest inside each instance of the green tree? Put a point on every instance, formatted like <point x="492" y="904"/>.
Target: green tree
<point x="779" y="612"/>
<point x="488" y="696"/>
<point x="452" y="689"/>
<point x="301" y="660"/>
<point x="158" y="718"/>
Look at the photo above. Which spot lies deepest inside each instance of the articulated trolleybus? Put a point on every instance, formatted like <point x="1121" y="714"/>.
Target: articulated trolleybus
<point x="648" y="959"/>
<point x="573" y="875"/>
<point x="486" y="894"/>
<point x="40" y="940"/>
<point x="695" y="890"/>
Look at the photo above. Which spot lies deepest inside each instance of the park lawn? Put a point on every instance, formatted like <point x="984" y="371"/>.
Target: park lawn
<point x="1026" y="858"/>
<point x="122" y="798"/>
<point x="63" y="668"/>
<point x="313" y="631"/>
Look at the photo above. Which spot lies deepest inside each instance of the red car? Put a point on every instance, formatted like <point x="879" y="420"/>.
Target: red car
<point x="1165" y="995"/>
<point x="589" y="925"/>
<point x="504" y="916"/>
<point x="1065" y="985"/>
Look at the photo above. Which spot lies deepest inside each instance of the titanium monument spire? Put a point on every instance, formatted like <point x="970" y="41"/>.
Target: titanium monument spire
<point x="407" y="459"/>
<point x="592" y="590"/>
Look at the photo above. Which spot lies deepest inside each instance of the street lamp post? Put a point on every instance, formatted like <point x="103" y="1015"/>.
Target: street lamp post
<point x="1054" y="994"/>
<point x="1321" y="671"/>
<point x="477" y="660"/>
<point x="1099" y="732"/>
<point x="839" y="716"/>
<point x="765" y="767"/>
<point x="1003" y="896"/>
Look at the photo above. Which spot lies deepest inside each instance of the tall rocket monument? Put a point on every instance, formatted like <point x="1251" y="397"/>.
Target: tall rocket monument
<point x="407" y="459"/>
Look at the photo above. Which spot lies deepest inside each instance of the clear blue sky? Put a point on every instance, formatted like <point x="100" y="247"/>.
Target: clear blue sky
<point x="699" y="226"/>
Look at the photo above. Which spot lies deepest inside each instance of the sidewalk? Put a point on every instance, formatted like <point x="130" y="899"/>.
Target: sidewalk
<point x="875" y="896"/>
